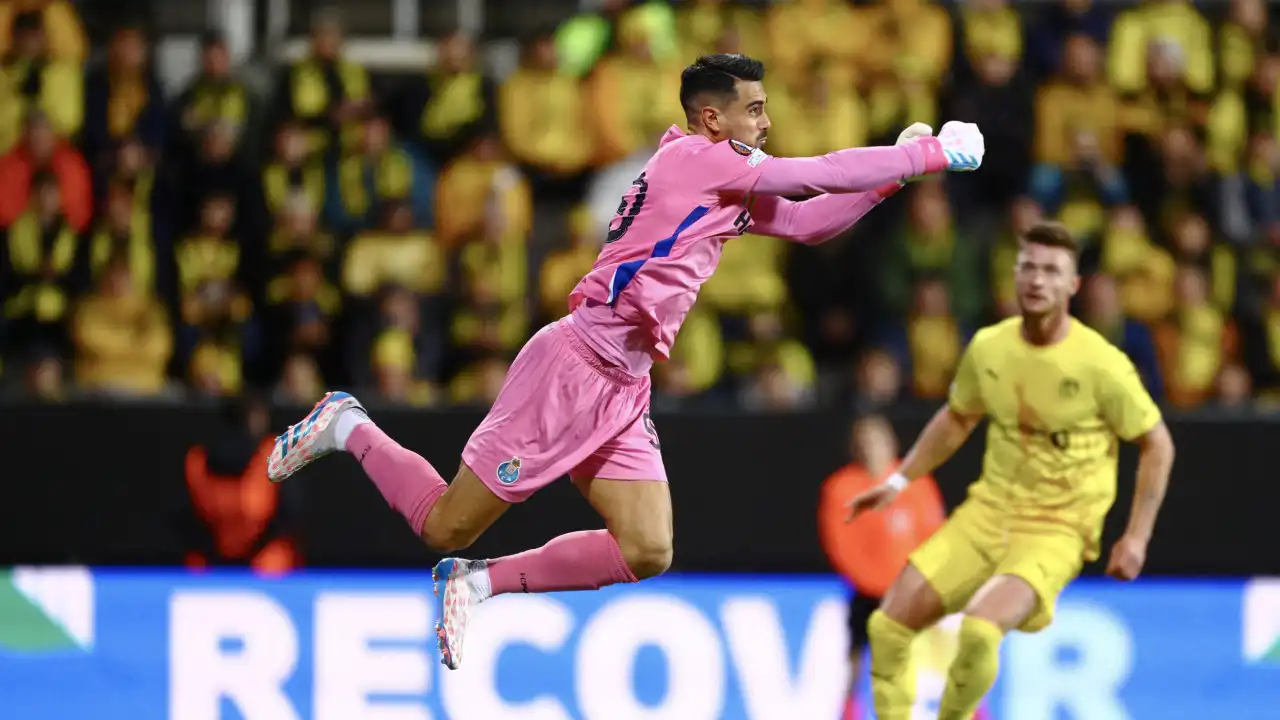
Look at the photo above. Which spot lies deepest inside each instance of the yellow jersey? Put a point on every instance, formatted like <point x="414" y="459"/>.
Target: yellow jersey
<point x="1056" y="415"/>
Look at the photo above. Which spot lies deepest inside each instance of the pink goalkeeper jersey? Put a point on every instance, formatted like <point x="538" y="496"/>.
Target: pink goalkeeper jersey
<point x="663" y="244"/>
<point x="693" y="196"/>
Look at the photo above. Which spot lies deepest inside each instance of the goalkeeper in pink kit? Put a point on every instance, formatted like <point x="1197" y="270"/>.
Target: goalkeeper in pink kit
<point x="576" y="399"/>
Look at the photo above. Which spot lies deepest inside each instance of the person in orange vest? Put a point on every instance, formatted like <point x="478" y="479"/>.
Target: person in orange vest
<point x="870" y="551"/>
<point x="236" y="518"/>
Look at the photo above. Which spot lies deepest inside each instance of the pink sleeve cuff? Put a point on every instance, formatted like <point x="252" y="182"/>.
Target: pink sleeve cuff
<point x="935" y="160"/>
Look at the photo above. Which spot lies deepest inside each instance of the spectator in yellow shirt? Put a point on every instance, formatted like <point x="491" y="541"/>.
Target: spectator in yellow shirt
<point x="214" y="305"/>
<point x="324" y="91"/>
<point x="1144" y="269"/>
<point x="1166" y="100"/>
<point x="771" y="387"/>
<point x="213" y="97"/>
<point x="481" y="183"/>
<point x="542" y="111"/>
<point x="395" y="254"/>
<point x="632" y="99"/>
<point x="123" y="99"/>
<point x="122" y="336"/>
<point x="123" y="235"/>
<point x="1242" y="41"/>
<point x="410" y="265"/>
<point x="769" y="350"/>
<point x="398" y="359"/>
<point x="1195" y="342"/>
<point x="39" y="79"/>
<point x="297" y="230"/>
<point x="294" y="172"/>
<point x="932" y="243"/>
<point x="455" y="102"/>
<point x="934" y="340"/>
<point x="1173" y="22"/>
<point x="375" y="171"/>
<point x="1077" y="102"/>
<point x="38" y="262"/>
<point x="1192" y="242"/>
<point x="60" y="22"/>
<point x="1078" y="144"/>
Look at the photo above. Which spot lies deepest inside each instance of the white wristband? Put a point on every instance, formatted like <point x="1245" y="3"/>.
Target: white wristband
<point x="897" y="481"/>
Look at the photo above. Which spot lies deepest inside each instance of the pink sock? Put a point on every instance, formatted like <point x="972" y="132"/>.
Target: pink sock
<point x="587" y="560"/>
<point x="407" y="481"/>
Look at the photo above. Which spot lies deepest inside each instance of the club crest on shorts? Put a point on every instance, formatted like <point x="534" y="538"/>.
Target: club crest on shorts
<point x="509" y="471"/>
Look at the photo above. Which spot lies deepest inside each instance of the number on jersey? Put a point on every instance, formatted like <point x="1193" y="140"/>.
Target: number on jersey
<point x="627" y="211"/>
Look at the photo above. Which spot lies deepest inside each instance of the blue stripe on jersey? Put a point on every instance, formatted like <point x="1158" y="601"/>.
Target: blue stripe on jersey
<point x="626" y="272"/>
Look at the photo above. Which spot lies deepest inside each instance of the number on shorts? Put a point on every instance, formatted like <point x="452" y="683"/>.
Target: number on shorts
<point x="652" y="431"/>
<point x="627" y="215"/>
<point x="743" y="221"/>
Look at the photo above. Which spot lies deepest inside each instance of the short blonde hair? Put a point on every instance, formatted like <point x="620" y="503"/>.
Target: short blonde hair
<point x="1052" y="234"/>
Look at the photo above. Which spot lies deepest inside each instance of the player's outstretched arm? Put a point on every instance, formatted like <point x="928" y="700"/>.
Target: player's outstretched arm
<point x="819" y="219"/>
<point x="945" y="433"/>
<point x="816" y="220"/>
<point x="941" y="438"/>
<point x="1155" y="463"/>
<point x="959" y="147"/>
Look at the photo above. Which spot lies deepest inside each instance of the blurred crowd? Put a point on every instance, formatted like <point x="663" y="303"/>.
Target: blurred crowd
<point x="403" y="233"/>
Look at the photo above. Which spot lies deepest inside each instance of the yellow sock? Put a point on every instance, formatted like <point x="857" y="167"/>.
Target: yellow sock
<point x="973" y="672"/>
<point x="893" y="684"/>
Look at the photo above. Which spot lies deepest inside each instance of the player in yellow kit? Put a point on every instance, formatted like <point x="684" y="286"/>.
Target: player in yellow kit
<point x="1059" y="399"/>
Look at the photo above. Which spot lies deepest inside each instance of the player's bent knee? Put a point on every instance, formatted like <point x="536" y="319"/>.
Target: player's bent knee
<point x="1005" y="601"/>
<point x="465" y="510"/>
<point x="447" y="537"/>
<point x="647" y="557"/>
<point x="912" y="601"/>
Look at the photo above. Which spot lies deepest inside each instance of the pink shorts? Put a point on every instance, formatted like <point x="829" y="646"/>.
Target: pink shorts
<point x="564" y="411"/>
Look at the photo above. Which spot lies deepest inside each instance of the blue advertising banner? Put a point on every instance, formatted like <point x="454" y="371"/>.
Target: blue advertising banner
<point x="111" y="645"/>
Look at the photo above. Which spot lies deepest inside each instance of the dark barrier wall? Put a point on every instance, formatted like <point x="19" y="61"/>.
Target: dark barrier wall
<point x="104" y="485"/>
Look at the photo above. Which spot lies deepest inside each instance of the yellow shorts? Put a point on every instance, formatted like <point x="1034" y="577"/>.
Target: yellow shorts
<point x="973" y="546"/>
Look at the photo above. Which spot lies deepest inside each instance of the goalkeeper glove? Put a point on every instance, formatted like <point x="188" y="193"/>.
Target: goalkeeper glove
<point x="963" y="146"/>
